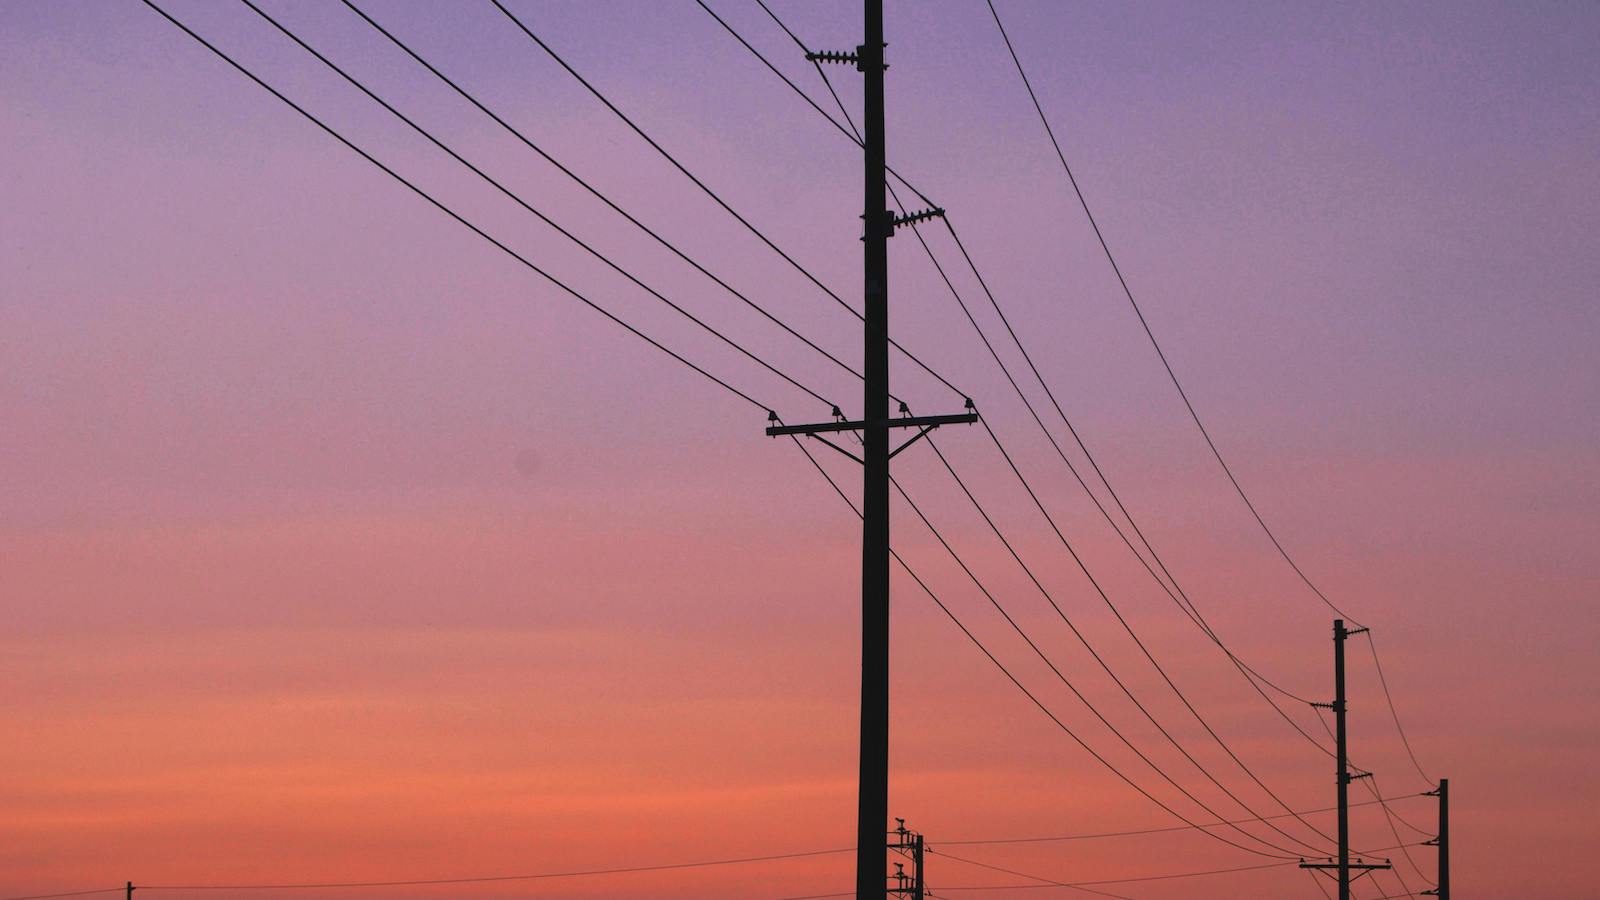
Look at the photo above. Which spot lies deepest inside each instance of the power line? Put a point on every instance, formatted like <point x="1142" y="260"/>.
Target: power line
<point x="1006" y="671"/>
<point x="621" y="870"/>
<point x="1146" y="325"/>
<point x="707" y="190"/>
<point x="1389" y="698"/>
<point x="1006" y="371"/>
<point x="1051" y="882"/>
<point x="1145" y="831"/>
<point x="1085" y="642"/>
<point x="514" y="197"/>
<point x="595" y="192"/>
<point x="1189" y="610"/>
<point x="69" y="894"/>
<point x="1021" y="632"/>
<point x="450" y="212"/>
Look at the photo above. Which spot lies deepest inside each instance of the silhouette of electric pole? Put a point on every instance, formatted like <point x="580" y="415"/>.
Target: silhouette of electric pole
<point x="1442" y="841"/>
<point x="872" y="812"/>
<point x="908" y="843"/>
<point x="130" y="891"/>
<point x="1343" y="864"/>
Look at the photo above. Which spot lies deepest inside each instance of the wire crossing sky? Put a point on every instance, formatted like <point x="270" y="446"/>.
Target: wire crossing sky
<point x="339" y="550"/>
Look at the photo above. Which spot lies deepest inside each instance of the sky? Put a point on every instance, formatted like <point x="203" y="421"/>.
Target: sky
<point x="338" y="546"/>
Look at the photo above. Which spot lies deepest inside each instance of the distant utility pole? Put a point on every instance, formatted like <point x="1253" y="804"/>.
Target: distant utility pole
<point x="130" y="891"/>
<point x="1343" y="779"/>
<point x="872" y="813"/>
<point x="908" y="843"/>
<point x="1442" y="841"/>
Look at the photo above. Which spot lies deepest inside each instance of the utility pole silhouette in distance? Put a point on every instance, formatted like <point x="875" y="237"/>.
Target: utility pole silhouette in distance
<point x="1442" y="841"/>
<point x="1343" y="865"/>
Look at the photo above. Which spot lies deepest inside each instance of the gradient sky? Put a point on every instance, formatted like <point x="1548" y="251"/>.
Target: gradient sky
<point x="336" y="546"/>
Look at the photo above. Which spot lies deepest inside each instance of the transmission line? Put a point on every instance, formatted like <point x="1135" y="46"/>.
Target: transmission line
<point x="1389" y="698"/>
<point x="620" y="870"/>
<point x="450" y="212"/>
<point x="69" y="894"/>
<point x="1073" y="688"/>
<point x="708" y="191"/>
<point x="961" y="483"/>
<point x="1189" y="823"/>
<point x="595" y="192"/>
<point x="1051" y="882"/>
<point x="515" y="198"/>
<point x="1180" y="599"/>
<point x="1146" y="831"/>
<point x="1106" y="248"/>
<point x="1194" y="615"/>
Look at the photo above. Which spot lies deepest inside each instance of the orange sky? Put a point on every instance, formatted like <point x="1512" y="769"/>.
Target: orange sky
<point x="335" y="548"/>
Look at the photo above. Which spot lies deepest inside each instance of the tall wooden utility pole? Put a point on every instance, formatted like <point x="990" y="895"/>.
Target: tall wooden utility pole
<point x="872" y="811"/>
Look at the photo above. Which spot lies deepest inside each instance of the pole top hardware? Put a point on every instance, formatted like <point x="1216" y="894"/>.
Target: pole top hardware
<point x="935" y="212"/>
<point x="854" y="57"/>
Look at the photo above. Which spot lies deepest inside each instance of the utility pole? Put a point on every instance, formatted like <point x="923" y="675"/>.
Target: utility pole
<point x="1442" y="841"/>
<point x="872" y="811"/>
<point x="908" y="843"/>
<point x="130" y="891"/>
<point x="1343" y="776"/>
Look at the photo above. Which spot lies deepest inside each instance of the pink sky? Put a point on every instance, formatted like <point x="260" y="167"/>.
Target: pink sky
<point x="334" y="546"/>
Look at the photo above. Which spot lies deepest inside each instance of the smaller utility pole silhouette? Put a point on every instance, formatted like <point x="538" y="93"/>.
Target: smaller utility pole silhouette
<point x="1343" y="865"/>
<point x="907" y="843"/>
<point x="130" y="891"/>
<point x="1442" y="841"/>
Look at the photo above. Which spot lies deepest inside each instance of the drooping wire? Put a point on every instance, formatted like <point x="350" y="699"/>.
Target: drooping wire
<point x="1189" y="610"/>
<point x="1051" y="882"/>
<point x="1128" y="291"/>
<point x="71" y="894"/>
<point x="1017" y="683"/>
<point x="961" y="483"/>
<point x="536" y="876"/>
<point x="709" y="192"/>
<point x="452" y="213"/>
<point x="1180" y="599"/>
<point x="517" y="199"/>
<point x="1147" y="831"/>
<point x="593" y="191"/>
<point x="1045" y="658"/>
<point x="1389" y="699"/>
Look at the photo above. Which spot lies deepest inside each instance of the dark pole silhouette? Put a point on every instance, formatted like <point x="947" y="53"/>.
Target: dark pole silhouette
<point x="1443" y="840"/>
<point x="1342" y="739"/>
<point x="129" y="894"/>
<point x="872" y="808"/>
<point x="879" y="223"/>
<point x="1343" y="777"/>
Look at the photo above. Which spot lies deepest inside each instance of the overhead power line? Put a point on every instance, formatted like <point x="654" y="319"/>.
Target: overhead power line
<point x="1145" y="831"/>
<point x="662" y="151"/>
<point x="1056" y="720"/>
<point x="517" y="199"/>
<point x="1051" y="882"/>
<point x="535" y="876"/>
<point x="452" y="213"/>
<point x="593" y="191"/>
<point x="1183" y="602"/>
<point x="1189" y="611"/>
<point x="1106" y="667"/>
<point x="1128" y="291"/>
<point x="71" y="894"/>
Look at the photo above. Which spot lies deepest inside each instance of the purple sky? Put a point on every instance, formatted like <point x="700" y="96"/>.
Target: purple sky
<point x="254" y="395"/>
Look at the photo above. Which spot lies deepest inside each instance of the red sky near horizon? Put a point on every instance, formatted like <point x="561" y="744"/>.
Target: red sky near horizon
<point x="337" y="547"/>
